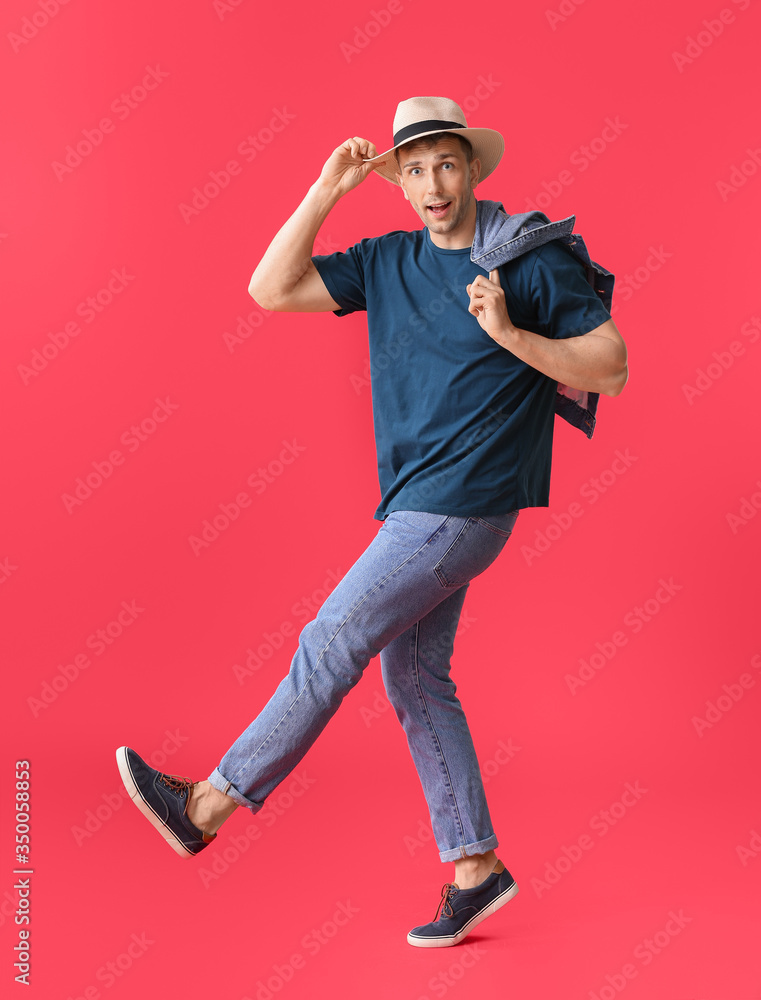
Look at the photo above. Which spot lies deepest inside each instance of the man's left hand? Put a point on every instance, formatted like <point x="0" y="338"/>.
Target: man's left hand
<point x="488" y="305"/>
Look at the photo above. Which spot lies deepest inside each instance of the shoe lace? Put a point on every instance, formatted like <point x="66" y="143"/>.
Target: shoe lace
<point x="448" y="892"/>
<point x="176" y="783"/>
<point x="180" y="786"/>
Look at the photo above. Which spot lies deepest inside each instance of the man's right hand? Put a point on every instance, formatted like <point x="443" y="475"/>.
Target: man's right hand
<point x="286" y="278"/>
<point x="345" y="169"/>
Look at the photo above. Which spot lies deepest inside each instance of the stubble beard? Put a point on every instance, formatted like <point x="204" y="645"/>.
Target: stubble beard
<point x="451" y="225"/>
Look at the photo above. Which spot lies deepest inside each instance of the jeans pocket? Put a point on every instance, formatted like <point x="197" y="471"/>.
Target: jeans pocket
<point x="503" y="524"/>
<point x="475" y="547"/>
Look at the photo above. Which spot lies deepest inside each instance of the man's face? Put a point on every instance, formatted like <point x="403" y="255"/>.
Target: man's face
<point x="438" y="183"/>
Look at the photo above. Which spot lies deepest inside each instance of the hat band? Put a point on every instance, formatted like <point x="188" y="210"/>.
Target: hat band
<point x="417" y="128"/>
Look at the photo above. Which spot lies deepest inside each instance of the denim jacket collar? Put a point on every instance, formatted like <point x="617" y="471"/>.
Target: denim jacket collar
<point x="501" y="237"/>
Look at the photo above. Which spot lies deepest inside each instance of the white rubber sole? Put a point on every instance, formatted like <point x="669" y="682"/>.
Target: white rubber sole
<point x="447" y="942"/>
<point x="134" y="793"/>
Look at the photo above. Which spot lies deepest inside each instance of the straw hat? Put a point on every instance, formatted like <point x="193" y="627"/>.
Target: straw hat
<point x="421" y="116"/>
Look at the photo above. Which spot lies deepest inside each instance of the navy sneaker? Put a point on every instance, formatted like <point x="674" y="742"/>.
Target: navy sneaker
<point x="163" y="800"/>
<point x="463" y="909"/>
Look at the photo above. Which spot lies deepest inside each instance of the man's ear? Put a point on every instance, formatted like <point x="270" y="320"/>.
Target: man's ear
<point x="400" y="181"/>
<point x="475" y="172"/>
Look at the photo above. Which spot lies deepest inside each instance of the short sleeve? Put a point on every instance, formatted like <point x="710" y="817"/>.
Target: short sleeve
<point x="344" y="277"/>
<point x="564" y="302"/>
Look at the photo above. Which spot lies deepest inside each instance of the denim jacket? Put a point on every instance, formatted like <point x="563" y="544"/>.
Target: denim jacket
<point x="501" y="237"/>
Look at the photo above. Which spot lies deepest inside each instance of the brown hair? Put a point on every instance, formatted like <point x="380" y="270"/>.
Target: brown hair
<point x="431" y="140"/>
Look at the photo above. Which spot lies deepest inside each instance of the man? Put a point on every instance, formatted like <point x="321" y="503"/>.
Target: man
<point x="463" y="423"/>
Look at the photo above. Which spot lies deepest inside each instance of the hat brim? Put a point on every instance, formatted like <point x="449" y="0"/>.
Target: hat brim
<point x="488" y="147"/>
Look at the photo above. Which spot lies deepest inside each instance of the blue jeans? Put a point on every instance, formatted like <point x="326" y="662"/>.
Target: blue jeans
<point x="402" y="599"/>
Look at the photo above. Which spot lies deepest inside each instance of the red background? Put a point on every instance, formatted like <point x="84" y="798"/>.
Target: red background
<point x="357" y="831"/>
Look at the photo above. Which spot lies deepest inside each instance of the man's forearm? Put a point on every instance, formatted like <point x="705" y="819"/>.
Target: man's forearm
<point x="288" y="255"/>
<point x="594" y="362"/>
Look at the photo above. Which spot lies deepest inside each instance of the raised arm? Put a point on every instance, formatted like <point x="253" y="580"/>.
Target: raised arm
<point x="285" y="279"/>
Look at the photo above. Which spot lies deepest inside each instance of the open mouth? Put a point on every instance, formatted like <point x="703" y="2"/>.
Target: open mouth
<point x="439" y="210"/>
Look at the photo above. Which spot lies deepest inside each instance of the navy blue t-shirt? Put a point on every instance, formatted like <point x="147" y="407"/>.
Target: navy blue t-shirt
<point x="462" y="426"/>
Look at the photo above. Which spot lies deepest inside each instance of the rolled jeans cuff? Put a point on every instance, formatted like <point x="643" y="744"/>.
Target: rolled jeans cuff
<point x="220" y="782"/>
<point x="480" y="847"/>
